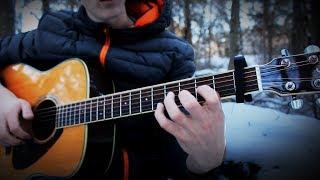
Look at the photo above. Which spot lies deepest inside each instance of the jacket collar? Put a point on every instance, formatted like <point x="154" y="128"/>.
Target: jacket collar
<point x="129" y="35"/>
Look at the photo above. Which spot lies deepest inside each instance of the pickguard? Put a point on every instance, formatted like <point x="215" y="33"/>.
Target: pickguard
<point x="24" y="156"/>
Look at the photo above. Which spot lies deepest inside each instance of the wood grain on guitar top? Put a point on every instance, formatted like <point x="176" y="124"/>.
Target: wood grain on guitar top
<point x="66" y="83"/>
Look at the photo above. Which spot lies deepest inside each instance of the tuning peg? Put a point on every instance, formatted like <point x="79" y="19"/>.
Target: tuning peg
<point x="311" y="49"/>
<point x="296" y="104"/>
<point x="318" y="102"/>
<point x="285" y="52"/>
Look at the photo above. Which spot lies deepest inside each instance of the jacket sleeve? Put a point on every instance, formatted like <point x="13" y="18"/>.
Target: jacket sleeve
<point x="54" y="40"/>
<point x="17" y="48"/>
<point x="183" y="65"/>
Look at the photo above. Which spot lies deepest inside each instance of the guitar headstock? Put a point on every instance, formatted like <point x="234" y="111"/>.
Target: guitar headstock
<point x="292" y="75"/>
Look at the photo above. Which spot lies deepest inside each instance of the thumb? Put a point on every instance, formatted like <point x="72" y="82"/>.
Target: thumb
<point x="26" y="110"/>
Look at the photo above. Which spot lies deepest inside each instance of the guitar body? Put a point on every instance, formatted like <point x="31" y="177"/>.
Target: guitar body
<point x="63" y="152"/>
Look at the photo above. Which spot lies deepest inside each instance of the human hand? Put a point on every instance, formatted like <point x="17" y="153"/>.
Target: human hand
<point x="11" y="133"/>
<point x="200" y="134"/>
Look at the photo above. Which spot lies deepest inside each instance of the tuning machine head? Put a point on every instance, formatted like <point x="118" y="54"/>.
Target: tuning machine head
<point x="311" y="49"/>
<point x="318" y="101"/>
<point x="296" y="103"/>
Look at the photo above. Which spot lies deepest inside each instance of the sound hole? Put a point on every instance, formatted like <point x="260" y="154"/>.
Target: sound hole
<point x="43" y="125"/>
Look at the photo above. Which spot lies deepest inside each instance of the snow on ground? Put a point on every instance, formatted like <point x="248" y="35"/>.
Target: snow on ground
<point x="284" y="146"/>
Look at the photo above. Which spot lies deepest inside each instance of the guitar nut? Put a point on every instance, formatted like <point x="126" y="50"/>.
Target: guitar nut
<point x="313" y="59"/>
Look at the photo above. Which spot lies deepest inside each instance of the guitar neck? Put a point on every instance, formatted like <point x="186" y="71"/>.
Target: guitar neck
<point x="144" y="100"/>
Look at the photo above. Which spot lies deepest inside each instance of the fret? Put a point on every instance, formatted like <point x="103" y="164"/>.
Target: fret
<point x="164" y="91"/>
<point x="125" y="104"/>
<point x="88" y="111"/>
<point x="130" y="103"/>
<point x="82" y="115"/>
<point x="140" y="102"/>
<point x="62" y="116"/>
<point x="175" y="89"/>
<point x="101" y="109"/>
<point x="111" y="106"/>
<point x="65" y="115"/>
<point x="68" y="115"/>
<point x="93" y="110"/>
<point x="120" y="104"/>
<point x="158" y="95"/>
<point x="225" y="84"/>
<point x="116" y="105"/>
<point x="108" y="107"/>
<point x="146" y="104"/>
<point x="65" y="118"/>
<point x="195" y="88"/>
<point x="213" y="83"/>
<point x="58" y="115"/>
<point x="135" y="102"/>
<point x="76" y="113"/>
<point x="152" y="99"/>
<point x="104" y="108"/>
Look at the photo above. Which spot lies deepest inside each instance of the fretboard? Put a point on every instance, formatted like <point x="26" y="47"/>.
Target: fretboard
<point x="144" y="100"/>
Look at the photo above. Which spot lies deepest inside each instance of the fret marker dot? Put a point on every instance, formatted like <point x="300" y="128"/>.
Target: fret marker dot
<point x="146" y="99"/>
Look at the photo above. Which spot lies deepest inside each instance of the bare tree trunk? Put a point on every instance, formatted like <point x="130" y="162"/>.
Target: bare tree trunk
<point x="235" y="31"/>
<point x="7" y="14"/>
<point x="314" y="22"/>
<point x="314" y="27"/>
<point x="265" y="33"/>
<point x="299" y="27"/>
<point x="187" y="21"/>
<point x="45" y="5"/>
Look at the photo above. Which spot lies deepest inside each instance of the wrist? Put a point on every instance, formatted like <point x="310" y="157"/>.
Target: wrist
<point x="197" y="167"/>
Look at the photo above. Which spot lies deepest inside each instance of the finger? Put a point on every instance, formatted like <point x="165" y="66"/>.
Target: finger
<point x="9" y="140"/>
<point x="12" y="141"/>
<point x="173" y="111"/>
<point x="210" y="96"/>
<point x="171" y="127"/>
<point x="14" y="125"/>
<point x="190" y="103"/>
<point x="26" y="110"/>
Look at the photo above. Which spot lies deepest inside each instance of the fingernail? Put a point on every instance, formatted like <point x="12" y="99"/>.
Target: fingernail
<point x="170" y="93"/>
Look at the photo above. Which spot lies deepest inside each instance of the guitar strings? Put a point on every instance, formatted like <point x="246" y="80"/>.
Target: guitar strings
<point x="74" y="121"/>
<point x="289" y="68"/>
<point x="138" y="103"/>
<point x="156" y="90"/>
<point x="215" y="79"/>
<point x="155" y="94"/>
<point x="65" y="111"/>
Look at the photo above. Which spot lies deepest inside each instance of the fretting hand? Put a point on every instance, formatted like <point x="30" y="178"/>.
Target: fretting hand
<point x="200" y="134"/>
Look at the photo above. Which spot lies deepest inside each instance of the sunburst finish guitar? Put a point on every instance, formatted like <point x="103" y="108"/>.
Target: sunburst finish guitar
<point x="64" y="111"/>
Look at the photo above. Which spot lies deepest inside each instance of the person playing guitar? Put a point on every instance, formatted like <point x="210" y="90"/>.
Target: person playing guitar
<point x="125" y="46"/>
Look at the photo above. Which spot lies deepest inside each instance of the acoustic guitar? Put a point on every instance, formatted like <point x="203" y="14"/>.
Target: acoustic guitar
<point x="64" y="110"/>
